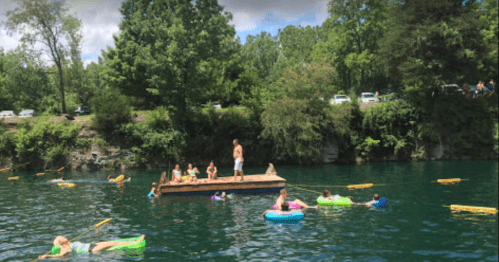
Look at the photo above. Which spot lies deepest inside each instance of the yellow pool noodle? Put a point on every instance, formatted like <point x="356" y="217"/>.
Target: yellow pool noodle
<point x="474" y="209"/>
<point x="14" y="178"/>
<point x="40" y="174"/>
<point x="119" y="178"/>
<point x="450" y="180"/>
<point x="359" y="186"/>
<point x="66" y="184"/>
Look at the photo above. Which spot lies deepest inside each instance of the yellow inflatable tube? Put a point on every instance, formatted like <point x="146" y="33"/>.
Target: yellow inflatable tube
<point x="119" y="178"/>
<point x="450" y="180"/>
<point x="474" y="209"/>
<point x="66" y="184"/>
<point x="359" y="186"/>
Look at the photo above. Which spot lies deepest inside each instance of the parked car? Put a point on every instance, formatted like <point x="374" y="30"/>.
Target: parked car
<point x="217" y="105"/>
<point x="7" y="114"/>
<point x="452" y="89"/>
<point x="26" y="113"/>
<point x="82" y="110"/>
<point x="368" y="97"/>
<point x="339" y="99"/>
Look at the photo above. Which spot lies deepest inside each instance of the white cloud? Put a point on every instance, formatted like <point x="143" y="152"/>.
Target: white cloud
<point x="100" y="19"/>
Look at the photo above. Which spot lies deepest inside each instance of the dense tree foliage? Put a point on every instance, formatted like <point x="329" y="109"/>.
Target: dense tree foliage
<point x="174" y="57"/>
<point x="49" y="23"/>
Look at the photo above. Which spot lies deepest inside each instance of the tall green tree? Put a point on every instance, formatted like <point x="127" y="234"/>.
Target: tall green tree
<point x="296" y="43"/>
<point x="490" y="36"/>
<point x="167" y="52"/>
<point x="434" y="42"/>
<point x="47" y="22"/>
<point x="351" y="39"/>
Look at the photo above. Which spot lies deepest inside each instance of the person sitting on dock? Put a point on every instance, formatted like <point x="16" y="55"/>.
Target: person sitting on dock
<point x="373" y="201"/>
<point x="191" y="172"/>
<point x="212" y="171"/>
<point x="297" y="204"/>
<point x="153" y="190"/>
<point x="177" y="174"/>
<point x="78" y="247"/>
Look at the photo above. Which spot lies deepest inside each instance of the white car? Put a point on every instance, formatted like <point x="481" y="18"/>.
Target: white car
<point x="339" y="99"/>
<point x="217" y="105"/>
<point x="27" y="113"/>
<point x="368" y="97"/>
<point x="7" y="114"/>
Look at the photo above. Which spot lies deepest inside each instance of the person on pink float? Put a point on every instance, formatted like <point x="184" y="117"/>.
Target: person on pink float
<point x="297" y="204"/>
<point x="238" y="159"/>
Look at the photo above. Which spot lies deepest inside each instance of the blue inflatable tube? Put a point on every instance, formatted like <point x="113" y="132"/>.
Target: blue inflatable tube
<point x="381" y="203"/>
<point x="285" y="216"/>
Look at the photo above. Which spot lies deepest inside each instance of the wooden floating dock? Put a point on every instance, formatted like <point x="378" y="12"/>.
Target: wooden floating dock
<point x="253" y="184"/>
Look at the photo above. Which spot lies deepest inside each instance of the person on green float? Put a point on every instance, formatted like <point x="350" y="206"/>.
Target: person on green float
<point x="191" y="172"/>
<point x="327" y="196"/>
<point x="177" y="174"/>
<point x="78" y="247"/>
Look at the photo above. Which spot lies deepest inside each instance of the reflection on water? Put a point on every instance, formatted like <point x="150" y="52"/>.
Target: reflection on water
<point x="415" y="227"/>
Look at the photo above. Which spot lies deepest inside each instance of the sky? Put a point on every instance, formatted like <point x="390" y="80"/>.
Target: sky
<point x="100" y="20"/>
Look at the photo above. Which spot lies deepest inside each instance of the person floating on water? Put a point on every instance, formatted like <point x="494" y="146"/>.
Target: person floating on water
<point x="212" y="171"/>
<point x="58" y="180"/>
<point x="297" y="204"/>
<point x="191" y="172"/>
<point x="177" y="174"/>
<point x="111" y="179"/>
<point x="153" y="190"/>
<point x="327" y="196"/>
<point x="284" y="207"/>
<point x="238" y="159"/>
<point x="373" y="201"/>
<point x="78" y="247"/>
<point x="224" y="195"/>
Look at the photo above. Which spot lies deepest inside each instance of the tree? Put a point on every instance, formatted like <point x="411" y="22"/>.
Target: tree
<point x="47" y="22"/>
<point x="352" y="36"/>
<point x="170" y="52"/>
<point x="434" y="42"/>
<point x="297" y="42"/>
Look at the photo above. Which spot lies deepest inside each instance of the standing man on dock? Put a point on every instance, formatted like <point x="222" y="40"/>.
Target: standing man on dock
<point x="238" y="159"/>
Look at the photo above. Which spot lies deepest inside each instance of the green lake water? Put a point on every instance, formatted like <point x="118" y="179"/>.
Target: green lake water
<point x="415" y="227"/>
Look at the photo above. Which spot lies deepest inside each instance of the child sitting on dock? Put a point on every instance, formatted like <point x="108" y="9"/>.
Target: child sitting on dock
<point x="153" y="190"/>
<point x="191" y="172"/>
<point x="177" y="174"/>
<point x="297" y="204"/>
<point x="212" y="171"/>
<point x="78" y="247"/>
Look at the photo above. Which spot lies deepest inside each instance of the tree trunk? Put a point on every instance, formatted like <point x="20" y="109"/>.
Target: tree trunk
<point x="61" y="89"/>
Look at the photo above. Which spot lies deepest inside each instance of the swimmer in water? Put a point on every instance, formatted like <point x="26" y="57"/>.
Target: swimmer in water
<point x="110" y="179"/>
<point x="58" y="180"/>
<point x="153" y="190"/>
<point x="373" y="201"/>
<point x="297" y="204"/>
<point x="78" y="247"/>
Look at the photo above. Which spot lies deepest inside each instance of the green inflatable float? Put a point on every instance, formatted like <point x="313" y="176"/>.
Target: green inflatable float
<point x="338" y="201"/>
<point x="131" y="248"/>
